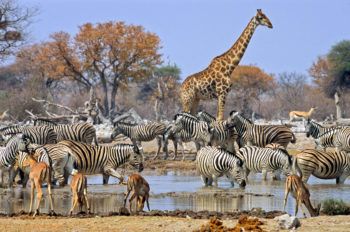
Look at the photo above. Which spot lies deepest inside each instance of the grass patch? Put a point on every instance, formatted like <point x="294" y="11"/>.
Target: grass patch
<point x="335" y="207"/>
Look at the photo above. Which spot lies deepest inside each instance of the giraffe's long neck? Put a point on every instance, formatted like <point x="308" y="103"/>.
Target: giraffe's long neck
<point x="230" y="59"/>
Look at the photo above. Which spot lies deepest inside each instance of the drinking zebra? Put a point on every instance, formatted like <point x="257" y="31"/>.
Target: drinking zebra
<point x="140" y="133"/>
<point x="19" y="142"/>
<point x="260" y="135"/>
<point x="323" y="165"/>
<point x="37" y="134"/>
<point x="89" y="159"/>
<point x="80" y="132"/>
<point x="212" y="163"/>
<point x="221" y="134"/>
<point x="324" y="136"/>
<point x="267" y="159"/>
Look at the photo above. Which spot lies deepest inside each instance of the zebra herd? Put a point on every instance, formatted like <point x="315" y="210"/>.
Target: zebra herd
<point x="233" y="148"/>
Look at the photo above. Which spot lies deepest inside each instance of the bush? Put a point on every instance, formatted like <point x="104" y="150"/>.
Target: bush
<point x="335" y="207"/>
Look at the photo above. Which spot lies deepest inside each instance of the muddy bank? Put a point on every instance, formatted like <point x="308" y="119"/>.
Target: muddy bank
<point x="189" y="214"/>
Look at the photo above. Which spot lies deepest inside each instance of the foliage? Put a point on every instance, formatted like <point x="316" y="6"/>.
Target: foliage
<point x="249" y="83"/>
<point x="14" y="20"/>
<point x="110" y="55"/>
<point x="335" y="207"/>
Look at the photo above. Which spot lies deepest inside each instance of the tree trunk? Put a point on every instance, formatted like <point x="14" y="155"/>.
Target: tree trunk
<point x="113" y="95"/>
<point x="105" y="97"/>
<point x="337" y="100"/>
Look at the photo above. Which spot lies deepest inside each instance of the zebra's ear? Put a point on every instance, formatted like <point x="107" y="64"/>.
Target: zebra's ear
<point x="233" y="113"/>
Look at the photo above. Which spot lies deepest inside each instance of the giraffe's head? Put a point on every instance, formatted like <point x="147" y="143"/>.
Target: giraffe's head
<point x="262" y="19"/>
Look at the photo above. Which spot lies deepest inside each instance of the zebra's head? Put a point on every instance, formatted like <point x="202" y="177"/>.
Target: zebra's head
<point x="136" y="158"/>
<point x="237" y="173"/>
<point x="24" y="143"/>
<point x="308" y="128"/>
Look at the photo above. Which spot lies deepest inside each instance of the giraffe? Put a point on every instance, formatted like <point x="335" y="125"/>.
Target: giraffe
<point x="215" y="80"/>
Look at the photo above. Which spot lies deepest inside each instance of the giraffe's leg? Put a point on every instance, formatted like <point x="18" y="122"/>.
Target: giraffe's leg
<point x="221" y="107"/>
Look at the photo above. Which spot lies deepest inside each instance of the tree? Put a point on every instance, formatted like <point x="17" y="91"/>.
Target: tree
<point x="249" y="83"/>
<point x="109" y="55"/>
<point x="332" y="73"/>
<point x="14" y="20"/>
<point x="162" y="88"/>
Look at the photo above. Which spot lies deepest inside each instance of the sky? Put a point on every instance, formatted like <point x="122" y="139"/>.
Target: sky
<point x="193" y="32"/>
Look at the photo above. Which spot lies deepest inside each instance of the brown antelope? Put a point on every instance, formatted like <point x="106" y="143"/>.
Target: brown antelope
<point x="301" y="194"/>
<point x="40" y="172"/>
<point x="79" y="191"/>
<point x="301" y="114"/>
<point x="140" y="188"/>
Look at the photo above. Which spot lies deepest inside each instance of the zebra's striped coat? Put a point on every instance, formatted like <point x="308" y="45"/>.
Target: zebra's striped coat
<point x="323" y="165"/>
<point x="81" y="132"/>
<point x="324" y="136"/>
<point x="37" y="134"/>
<point x="260" y="135"/>
<point x="342" y="139"/>
<point x="212" y="163"/>
<point x="263" y="160"/>
<point x="89" y="159"/>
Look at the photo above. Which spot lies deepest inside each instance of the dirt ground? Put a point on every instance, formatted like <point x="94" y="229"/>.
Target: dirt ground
<point x="140" y="223"/>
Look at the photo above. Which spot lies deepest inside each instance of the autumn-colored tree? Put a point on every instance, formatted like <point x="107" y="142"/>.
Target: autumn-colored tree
<point x="109" y="55"/>
<point x="14" y="20"/>
<point x="249" y="83"/>
<point x="332" y="73"/>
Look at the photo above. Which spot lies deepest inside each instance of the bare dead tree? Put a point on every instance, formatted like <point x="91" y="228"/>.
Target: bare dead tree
<point x="14" y="21"/>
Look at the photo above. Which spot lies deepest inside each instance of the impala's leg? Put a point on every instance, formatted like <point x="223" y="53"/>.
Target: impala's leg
<point x="147" y="196"/>
<point x="74" y="201"/>
<point x="126" y="196"/>
<point x="50" y="197"/>
<point x="286" y="193"/>
<point x="86" y="201"/>
<point x="130" y="201"/>
<point x="39" y="195"/>
<point x="296" y="206"/>
<point x="32" y="187"/>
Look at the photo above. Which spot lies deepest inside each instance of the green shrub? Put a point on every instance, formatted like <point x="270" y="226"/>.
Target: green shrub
<point x="335" y="207"/>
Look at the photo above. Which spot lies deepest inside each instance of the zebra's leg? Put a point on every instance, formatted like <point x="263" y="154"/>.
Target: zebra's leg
<point x="182" y="150"/>
<point x="342" y="178"/>
<point x="215" y="180"/>
<point x="105" y="178"/>
<point x="175" y="149"/>
<point x="205" y="180"/>
<point x="276" y="175"/>
<point x="264" y="174"/>
<point x="2" y="177"/>
<point x="159" y="143"/>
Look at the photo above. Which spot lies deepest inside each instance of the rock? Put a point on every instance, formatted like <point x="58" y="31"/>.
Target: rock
<point x="286" y="221"/>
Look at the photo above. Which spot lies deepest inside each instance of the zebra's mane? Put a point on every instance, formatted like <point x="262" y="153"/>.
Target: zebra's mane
<point x="232" y="154"/>
<point x="206" y="115"/>
<point x="186" y="115"/>
<point x="44" y="121"/>
<point x="124" y="124"/>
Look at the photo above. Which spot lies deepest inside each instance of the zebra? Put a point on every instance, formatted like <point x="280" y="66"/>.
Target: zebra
<point x="199" y="130"/>
<point x="142" y="132"/>
<point x="179" y="137"/>
<point x="323" y="165"/>
<point x="19" y="142"/>
<point x="89" y="159"/>
<point x="324" y="136"/>
<point x="212" y="162"/>
<point x="80" y="132"/>
<point x="222" y="134"/>
<point x="342" y="139"/>
<point x="37" y="134"/>
<point x="260" y="135"/>
<point x="265" y="159"/>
